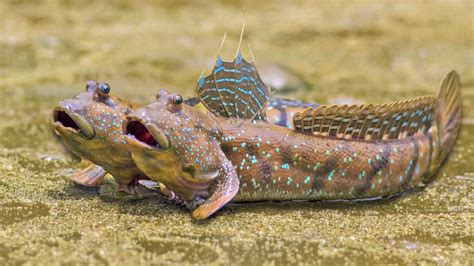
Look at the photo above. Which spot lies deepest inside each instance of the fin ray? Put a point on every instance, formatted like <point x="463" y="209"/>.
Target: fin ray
<point x="369" y="122"/>
<point x="449" y="112"/>
<point x="91" y="176"/>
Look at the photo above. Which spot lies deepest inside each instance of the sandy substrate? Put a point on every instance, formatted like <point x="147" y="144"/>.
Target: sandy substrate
<point x="363" y="51"/>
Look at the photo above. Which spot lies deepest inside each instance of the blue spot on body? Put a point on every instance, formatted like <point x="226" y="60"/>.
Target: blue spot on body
<point x="331" y="174"/>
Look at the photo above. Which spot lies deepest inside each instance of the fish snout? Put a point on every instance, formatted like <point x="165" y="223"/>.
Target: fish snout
<point x="67" y="117"/>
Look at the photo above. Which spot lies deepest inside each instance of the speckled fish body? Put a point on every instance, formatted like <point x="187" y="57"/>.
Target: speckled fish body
<point x="345" y="152"/>
<point x="274" y="163"/>
<point x="348" y="152"/>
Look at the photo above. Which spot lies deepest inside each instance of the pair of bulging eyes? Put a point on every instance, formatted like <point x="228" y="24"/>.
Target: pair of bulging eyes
<point x="103" y="89"/>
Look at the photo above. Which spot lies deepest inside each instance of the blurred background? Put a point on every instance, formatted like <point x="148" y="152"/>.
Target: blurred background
<point x="328" y="51"/>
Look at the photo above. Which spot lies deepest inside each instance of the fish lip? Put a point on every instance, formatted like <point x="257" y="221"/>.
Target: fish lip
<point x="159" y="137"/>
<point x="85" y="130"/>
<point x="135" y="143"/>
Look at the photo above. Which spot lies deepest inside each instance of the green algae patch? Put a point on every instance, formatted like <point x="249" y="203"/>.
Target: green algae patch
<point x="339" y="51"/>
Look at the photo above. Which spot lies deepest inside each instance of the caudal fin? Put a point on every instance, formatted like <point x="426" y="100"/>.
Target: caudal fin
<point x="448" y="112"/>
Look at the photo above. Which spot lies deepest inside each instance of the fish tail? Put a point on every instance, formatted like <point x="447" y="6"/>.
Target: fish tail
<point x="448" y="114"/>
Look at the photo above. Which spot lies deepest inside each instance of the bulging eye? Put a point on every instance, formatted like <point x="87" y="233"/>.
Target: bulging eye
<point x="177" y="99"/>
<point x="105" y="88"/>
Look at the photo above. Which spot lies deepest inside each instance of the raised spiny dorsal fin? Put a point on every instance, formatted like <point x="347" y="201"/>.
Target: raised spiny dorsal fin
<point x="234" y="89"/>
<point x="383" y="121"/>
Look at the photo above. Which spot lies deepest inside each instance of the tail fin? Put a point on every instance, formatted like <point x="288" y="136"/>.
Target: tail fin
<point x="448" y="113"/>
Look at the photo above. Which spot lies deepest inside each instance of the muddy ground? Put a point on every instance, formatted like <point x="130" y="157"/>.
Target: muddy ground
<point x="361" y="51"/>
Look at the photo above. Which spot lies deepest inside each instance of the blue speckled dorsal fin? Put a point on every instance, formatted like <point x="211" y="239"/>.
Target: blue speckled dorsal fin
<point x="234" y="89"/>
<point x="383" y="121"/>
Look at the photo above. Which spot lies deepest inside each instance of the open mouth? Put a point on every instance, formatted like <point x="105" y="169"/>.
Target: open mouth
<point x="72" y="122"/>
<point x="140" y="132"/>
<point x="65" y="119"/>
<point x="145" y="133"/>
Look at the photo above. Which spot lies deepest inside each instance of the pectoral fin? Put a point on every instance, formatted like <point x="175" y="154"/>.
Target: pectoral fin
<point x="91" y="176"/>
<point x="226" y="188"/>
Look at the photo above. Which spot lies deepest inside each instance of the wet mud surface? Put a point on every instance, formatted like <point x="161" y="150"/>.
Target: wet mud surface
<point x="352" y="52"/>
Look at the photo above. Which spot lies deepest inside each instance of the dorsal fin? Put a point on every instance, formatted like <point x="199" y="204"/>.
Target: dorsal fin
<point x="383" y="121"/>
<point x="234" y="89"/>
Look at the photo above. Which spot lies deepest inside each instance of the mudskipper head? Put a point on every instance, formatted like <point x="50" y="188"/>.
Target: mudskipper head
<point x="173" y="143"/>
<point x="90" y="125"/>
<point x="70" y="116"/>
